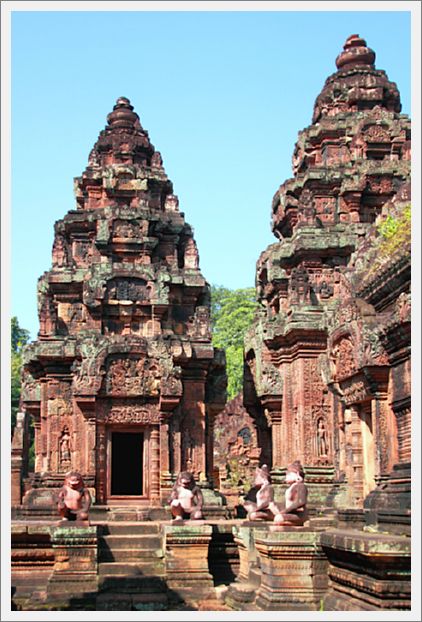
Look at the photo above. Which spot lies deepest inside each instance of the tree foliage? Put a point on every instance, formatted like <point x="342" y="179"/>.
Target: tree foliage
<point x="232" y="313"/>
<point x="19" y="337"/>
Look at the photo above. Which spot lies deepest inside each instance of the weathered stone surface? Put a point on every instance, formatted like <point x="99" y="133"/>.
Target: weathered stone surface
<point x="293" y="568"/>
<point x="187" y="570"/>
<point x="75" y="561"/>
<point x="367" y="571"/>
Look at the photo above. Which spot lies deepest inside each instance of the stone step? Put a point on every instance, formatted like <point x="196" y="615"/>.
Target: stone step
<point x="322" y="522"/>
<point x="131" y="583"/>
<point x="129" y="528"/>
<point x="129" y="555"/>
<point x="132" y="569"/>
<point x="116" y="601"/>
<point x="125" y="541"/>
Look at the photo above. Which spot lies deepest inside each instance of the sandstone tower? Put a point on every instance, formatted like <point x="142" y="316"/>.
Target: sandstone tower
<point x="327" y="362"/>
<point x="123" y="383"/>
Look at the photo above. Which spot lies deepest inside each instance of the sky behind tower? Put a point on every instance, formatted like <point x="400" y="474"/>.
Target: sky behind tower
<point x="223" y="96"/>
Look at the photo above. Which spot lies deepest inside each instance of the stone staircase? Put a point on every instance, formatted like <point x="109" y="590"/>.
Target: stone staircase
<point x="131" y="567"/>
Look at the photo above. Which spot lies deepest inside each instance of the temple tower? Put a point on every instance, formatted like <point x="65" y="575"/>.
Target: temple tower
<point x="123" y="383"/>
<point x="318" y="379"/>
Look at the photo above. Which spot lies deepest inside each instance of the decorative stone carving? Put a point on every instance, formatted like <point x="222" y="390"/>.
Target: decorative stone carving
<point x="132" y="377"/>
<point x="199" y="324"/>
<point x="344" y="357"/>
<point x="128" y="415"/>
<point x="271" y="381"/>
<point x="299" y="285"/>
<point x="65" y="446"/>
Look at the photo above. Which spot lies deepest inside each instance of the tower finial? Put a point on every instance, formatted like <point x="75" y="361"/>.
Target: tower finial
<point x="355" y="53"/>
<point x="123" y="114"/>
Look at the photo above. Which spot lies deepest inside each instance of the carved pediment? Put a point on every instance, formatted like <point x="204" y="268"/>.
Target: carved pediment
<point x="132" y="376"/>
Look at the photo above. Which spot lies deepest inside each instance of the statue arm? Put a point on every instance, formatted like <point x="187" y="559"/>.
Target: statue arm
<point x="61" y="497"/>
<point x="174" y="494"/>
<point x="85" y="500"/>
<point x="199" y="499"/>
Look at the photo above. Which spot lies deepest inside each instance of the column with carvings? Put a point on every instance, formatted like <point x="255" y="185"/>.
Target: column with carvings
<point x="165" y="475"/>
<point x="101" y="461"/>
<point x="154" y="462"/>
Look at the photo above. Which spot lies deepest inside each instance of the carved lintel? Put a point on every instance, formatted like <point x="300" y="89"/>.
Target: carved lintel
<point x="144" y="415"/>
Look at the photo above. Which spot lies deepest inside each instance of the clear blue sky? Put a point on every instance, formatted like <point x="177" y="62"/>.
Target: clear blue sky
<point x="223" y="96"/>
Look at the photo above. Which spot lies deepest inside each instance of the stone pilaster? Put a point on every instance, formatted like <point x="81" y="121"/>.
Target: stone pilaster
<point x="293" y="567"/>
<point x="187" y="571"/>
<point x="75" y="561"/>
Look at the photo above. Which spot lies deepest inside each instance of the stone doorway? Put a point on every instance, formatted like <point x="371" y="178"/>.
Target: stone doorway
<point x="126" y="463"/>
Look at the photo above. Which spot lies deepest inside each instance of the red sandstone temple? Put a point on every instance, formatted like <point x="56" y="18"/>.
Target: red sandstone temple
<point x="328" y="360"/>
<point x="125" y="386"/>
<point x="123" y="383"/>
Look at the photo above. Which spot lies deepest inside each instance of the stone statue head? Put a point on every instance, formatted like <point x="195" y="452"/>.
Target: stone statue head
<point x="262" y="475"/>
<point x="295" y="472"/>
<point x="74" y="480"/>
<point x="186" y="479"/>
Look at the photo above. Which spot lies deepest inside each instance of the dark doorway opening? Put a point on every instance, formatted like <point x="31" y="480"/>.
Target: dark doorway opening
<point x="126" y="463"/>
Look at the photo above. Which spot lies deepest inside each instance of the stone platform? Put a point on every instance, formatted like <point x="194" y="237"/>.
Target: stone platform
<point x="207" y="565"/>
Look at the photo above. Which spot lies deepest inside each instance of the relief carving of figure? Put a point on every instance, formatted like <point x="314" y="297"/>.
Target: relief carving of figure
<point x="299" y="285"/>
<point x="118" y="372"/>
<point x="65" y="446"/>
<point x="344" y="358"/>
<point x="322" y="444"/>
<point x="59" y="252"/>
<point x="156" y="160"/>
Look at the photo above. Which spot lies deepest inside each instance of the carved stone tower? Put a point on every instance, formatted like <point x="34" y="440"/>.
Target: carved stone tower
<point x="123" y="383"/>
<point x="318" y="379"/>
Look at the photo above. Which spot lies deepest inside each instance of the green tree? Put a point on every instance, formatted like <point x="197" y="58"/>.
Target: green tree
<point x="232" y="313"/>
<point x="19" y="337"/>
